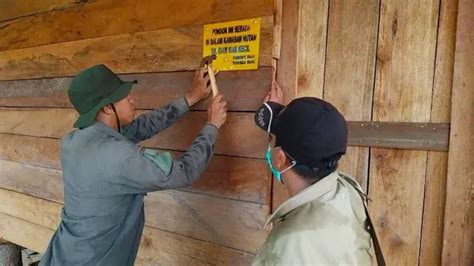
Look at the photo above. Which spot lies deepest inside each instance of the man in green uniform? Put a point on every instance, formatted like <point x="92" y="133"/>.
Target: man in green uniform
<point x="107" y="174"/>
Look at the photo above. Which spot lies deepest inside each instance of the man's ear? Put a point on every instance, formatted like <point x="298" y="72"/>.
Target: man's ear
<point x="107" y="109"/>
<point x="281" y="159"/>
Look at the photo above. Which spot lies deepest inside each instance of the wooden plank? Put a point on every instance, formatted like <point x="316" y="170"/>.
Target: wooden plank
<point x="20" y="232"/>
<point x="244" y="90"/>
<point x="403" y="90"/>
<point x="162" y="248"/>
<point x="248" y="141"/>
<point x="11" y="9"/>
<point x="277" y="19"/>
<point x="156" y="247"/>
<point x="34" y="151"/>
<point x="436" y="171"/>
<point x="458" y="244"/>
<point x="287" y="72"/>
<point x="164" y="50"/>
<point x="300" y="68"/>
<point x="312" y="28"/>
<point x="55" y="123"/>
<point x="349" y="77"/>
<point x="228" y="177"/>
<point x="303" y="47"/>
<point x="230" y="223"/>
<point x="99" y="18"/>
<point x="28" y="208"/>
<point x="35" y="181"/>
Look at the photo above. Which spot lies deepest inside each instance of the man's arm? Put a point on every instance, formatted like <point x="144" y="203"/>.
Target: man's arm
<point x="152" y="123"/>
<point x="147" y="170"/>
<point x="149" y="124"/>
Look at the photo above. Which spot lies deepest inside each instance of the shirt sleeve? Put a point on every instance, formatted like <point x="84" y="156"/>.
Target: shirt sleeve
<point x="149" y="124"/>
<point x="147" y="170"/>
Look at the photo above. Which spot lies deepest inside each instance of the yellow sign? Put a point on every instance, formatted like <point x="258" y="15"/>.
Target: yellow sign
<point x="236" y="44"/>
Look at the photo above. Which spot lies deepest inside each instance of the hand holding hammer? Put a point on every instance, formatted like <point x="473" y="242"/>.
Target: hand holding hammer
<point x="207" y="63"/>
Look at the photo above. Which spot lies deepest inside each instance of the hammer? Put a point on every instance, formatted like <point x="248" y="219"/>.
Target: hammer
<point x="207" y="63"/>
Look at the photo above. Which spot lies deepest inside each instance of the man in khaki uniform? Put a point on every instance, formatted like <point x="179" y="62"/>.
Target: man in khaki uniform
<point x="324" y="222"/>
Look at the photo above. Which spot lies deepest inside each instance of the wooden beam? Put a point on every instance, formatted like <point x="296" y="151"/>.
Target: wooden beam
<point x="436" y="169"/>
<point x="349" y="75"/>
<point x="403" y="93"/>
<point x="458" y="244"/>
<point x="166" y="50"/>
<point x="410" y="136"/>
<point x="109" y="17"/>
<point x="178" y="212"/>
<point x="244" y="90"/>
<point x="11" y="9"/>
<point x="227" y="177"/>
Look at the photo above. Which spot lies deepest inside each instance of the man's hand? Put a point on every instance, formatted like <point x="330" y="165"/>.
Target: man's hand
<point x="200" y="89"/>
<point x="217" y="111"/>
<point x="275" y="94"/>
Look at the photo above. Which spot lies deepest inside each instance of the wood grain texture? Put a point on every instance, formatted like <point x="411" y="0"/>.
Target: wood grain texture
<point x="166" y="50"/>
<point x="311" y="47"/>
<point x="247" y="141"/>
<point x="229" y="223"/>
<point x="400" y="135"/>
<point x="244" y="90"/>
<point x="19" y="231"/>
<point x="436" y="171"/>
<point x="287" y="62"/>
<point x="227" y="177"/>
<point x="11" y="9"/>
<point x="108" y="17"/>
<point x="458" y="238"/>
<point x="300" y="67"/>
<point x="403" y="90"/>
<point x="350" y="70"/>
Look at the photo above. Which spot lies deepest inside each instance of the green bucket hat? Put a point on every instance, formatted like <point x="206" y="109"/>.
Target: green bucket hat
<point x="93" y="89"/>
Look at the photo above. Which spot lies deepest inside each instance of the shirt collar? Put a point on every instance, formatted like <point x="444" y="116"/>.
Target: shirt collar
<point x="107" y="130"/>
<point x="307" y="195"/>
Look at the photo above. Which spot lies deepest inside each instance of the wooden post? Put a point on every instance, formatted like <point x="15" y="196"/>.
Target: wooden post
<point x="458" y="244"/>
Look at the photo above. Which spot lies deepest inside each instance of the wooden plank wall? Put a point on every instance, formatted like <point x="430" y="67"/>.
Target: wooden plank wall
<point x="376" y="60"/>
<point x="384" y="61"/>
<point x="219" y="220"/>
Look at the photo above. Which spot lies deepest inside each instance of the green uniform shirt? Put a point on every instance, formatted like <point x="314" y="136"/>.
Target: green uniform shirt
<point x="106" y="176"/>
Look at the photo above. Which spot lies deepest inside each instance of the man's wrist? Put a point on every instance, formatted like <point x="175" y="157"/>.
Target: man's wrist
<point x="212" y="124"/>
<point x="190" y="99"/>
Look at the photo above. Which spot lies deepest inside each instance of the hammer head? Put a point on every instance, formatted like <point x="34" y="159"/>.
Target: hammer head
<point x="207" y="60"/>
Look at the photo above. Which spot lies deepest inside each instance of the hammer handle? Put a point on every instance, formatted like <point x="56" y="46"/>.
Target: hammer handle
<point x="212" y="78"/>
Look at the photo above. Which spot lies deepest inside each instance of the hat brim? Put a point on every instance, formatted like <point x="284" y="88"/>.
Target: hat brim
<point x="88" y="119"/>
